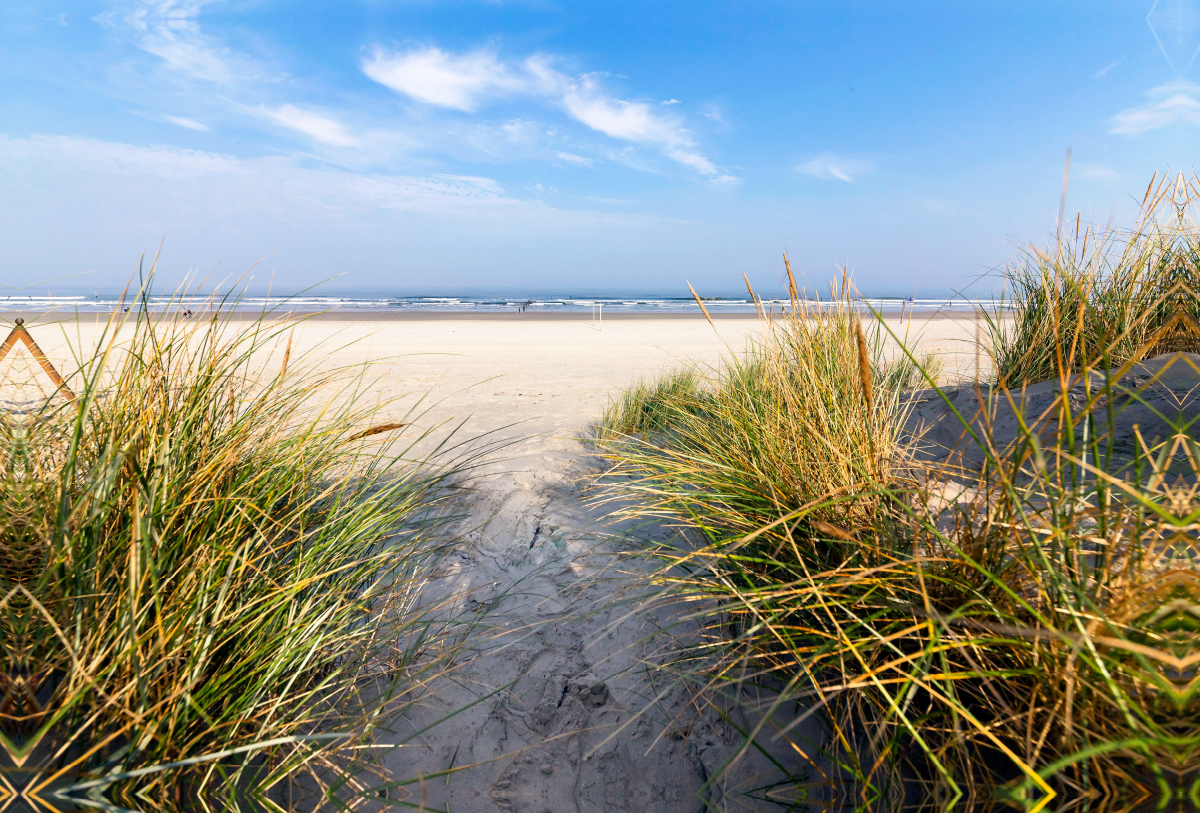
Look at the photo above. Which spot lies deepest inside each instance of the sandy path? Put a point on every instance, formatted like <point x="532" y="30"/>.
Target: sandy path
<point x="580" y="720"/>
<point x="569" y="713"/>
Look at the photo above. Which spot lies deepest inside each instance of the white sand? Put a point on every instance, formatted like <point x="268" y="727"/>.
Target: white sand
<point x="556" y="376"/>
<point x="577" y="719"/>
<point x="549" y="375"/>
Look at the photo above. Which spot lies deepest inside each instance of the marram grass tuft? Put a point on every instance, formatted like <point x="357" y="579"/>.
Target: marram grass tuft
<point x="787" y="422"/>
<point x="210" y="577"/>
<point x="1103" y="296"/>
<point x="1017" y="624"/>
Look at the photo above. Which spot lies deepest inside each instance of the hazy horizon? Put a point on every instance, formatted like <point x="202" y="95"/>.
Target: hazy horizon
<point x="766" y="292"/>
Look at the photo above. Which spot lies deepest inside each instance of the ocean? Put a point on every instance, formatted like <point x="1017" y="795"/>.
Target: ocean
<point x="100" y="302"/>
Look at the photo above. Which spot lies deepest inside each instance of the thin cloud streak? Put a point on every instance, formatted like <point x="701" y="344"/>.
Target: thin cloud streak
<point x="188" y="123"/>
<point x="574" y="159"/>
<point x="344" y="190"/>
<point x="829" y="166"/>
<point x="319" y="128"/>
<point x="1176" y="106"/>
<point x="258" y="182"/>
<point x="1100" y="74"/>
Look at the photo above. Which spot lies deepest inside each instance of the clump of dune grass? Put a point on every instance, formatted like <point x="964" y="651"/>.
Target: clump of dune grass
<point x="652" y="406"/>
<point x="210" y="577"/>
<point x="1102" y="296"/>
<point x="658" y="404"/>
<point x="786" y="422"/>
<point x="1031" y="644"/>
<point x="1023" y="633"/>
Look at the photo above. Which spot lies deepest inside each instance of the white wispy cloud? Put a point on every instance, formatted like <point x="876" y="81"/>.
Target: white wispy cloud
<point x="468" y="81"/>
<point x="431" y="75"/>
<point x="170" y="30"/>
<point x="189" y="58"/>
<point x="714" y="113"/>
<point x="459" y="81"/>
<point x="574" y="159"/>
<point x="631" y="121"/>
<point x="188" y="123"/>
<point x="694" y="160"/>
<point x="520" y="130"/>
<point x="317" y="127"/>
<point x="1170" y="104"/>
<point x="489" y="185"/>
<point x="830" y="166"/>
<point x="586" y="101"/>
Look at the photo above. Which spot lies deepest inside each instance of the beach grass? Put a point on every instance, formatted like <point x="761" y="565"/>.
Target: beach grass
<point x="211" y="580"/>
<point x="652" y="406"/>
<point x="1021" y="632"/>
<point x="783" y="423"/>
<point x="1101" y="296"/>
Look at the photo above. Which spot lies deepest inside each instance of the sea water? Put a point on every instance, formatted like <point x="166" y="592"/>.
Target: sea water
<point x="568" y="303"/>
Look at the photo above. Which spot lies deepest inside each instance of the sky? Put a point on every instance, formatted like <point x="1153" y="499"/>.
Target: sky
<point x="463" y="146"/>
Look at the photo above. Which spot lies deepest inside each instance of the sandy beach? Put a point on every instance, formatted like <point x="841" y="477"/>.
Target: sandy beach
<point x="543" y="373"/>
<point x="565" y="709"/>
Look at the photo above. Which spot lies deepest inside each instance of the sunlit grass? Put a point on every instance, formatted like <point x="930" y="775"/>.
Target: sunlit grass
<point x="1025" y="632"/>
<point x="210" y="577"/>
<point x="1102" y="296"/>
<point x="652" y="406"/>
<point x="782" y="424"/>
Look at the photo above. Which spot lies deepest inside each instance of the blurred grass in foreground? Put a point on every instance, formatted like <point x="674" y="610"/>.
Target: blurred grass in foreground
<point x="210" y="578"/>
<point x="1023" y="634"/>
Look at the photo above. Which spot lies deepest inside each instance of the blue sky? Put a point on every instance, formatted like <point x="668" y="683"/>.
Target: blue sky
<point x="421" y="147"/>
